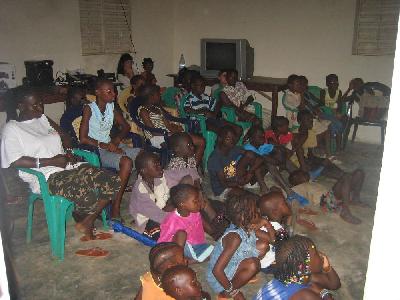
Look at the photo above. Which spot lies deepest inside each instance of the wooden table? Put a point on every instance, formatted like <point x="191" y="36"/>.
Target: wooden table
<point x="259" y="84"/>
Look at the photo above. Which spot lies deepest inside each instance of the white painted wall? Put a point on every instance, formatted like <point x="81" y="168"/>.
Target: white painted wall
<point x="312" y="37"/>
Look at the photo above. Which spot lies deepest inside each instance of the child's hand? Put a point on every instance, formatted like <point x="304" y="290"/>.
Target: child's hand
<point x="326" y="265"/>
<point x="239" y="296"/>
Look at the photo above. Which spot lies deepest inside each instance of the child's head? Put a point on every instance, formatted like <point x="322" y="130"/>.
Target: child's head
<point x="231" y="77"/>
<point x="148" y="64"/>
<point x="298" y="177"/>
<point x="303" y="84"/>
<point x="293" y="83"/>
<point x="222" y="77"/>
<point x="164" y="256"/>
<point x="76" y="96"/>
<point x="332" y="82"/>
<point x="124" y="63"/>
<point x="105" y="91"/>
<point x="256" y="136"/>
<point x="274" y="206"/>
<point x="241" y="209"/>
<point x="185" y="197"/>
<point x="181" y="145"/>
<point x="280" y="125"/>
<point x="148" y="165"/>
<point x="305" y="119"/>
<point x="137" y="81"/>
<point x="357" y="83"/>
<point x="296" y="259"/>
<point x="197" y="85"/>
<point x="227" y="137"/>
<point x="180" y="282"/>
<point x="150" y="94"/>
<point x="186" y="78"/>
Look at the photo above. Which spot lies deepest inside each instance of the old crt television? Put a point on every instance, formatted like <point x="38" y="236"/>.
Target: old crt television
<point x="220" y="54"/>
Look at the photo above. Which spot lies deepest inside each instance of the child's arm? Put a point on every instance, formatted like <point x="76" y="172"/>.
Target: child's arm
<point x="224" y="100"/>
<point x="328" y="278"/>
<point x="231" y="243"/>
<point x="139" y="294"/>
<point x="297" y="143"/>
<point x="180" y="238"/>
<point x="124" y="127"/>
<point x="322" y="96"/>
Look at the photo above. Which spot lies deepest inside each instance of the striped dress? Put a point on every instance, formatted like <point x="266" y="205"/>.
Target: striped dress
<point x="156" y="119"/>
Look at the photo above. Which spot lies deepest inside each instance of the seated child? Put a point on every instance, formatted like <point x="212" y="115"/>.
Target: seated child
<point x="331" y="96"/>
<point x="274" y="207"/>
<point x="218" y="87"/>
<point x="153" y="115"/>
<point x="76" y="98"/>
<point x="148" y="65"/>
<point x="235" y="94"/>
<point x="162" y="257"/>
<point x="199" y="103"/>
<point x="235" y="259"/>
<point x="257" y="145"/>
<point x="230" y="166"/>
<point x="184" y="225"/>
<point x="345" y="191"/>
<point x="301" y="272"/>
<point x="180" y="282"/>
<point x="148" y="202"/>
<point x="184" y="79"/>
<point x="304" y="142"/>
<point x="182" y="162"/>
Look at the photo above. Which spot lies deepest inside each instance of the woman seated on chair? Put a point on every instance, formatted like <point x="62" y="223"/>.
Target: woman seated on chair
<point x="35" y="141"/>
<point x="152" y="114"/>
<point x="97" y="120"/>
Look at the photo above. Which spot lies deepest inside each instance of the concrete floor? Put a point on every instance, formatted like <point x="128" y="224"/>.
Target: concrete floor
<point x="117" y="276"/>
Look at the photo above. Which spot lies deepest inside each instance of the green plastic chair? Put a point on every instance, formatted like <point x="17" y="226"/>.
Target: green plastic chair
<point x="315" y="90"/>
<point x="58" y="210"/>
<point x="168" y="97"/>
<point x="208" y="135"/>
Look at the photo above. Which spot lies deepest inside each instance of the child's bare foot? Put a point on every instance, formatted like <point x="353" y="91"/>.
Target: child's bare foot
<point x="358" y="203"/>
<point x="310" y="225"/>
<point x="308" y="211"/>
<point x="87" y="231"/>
<point x="348" y="217"/>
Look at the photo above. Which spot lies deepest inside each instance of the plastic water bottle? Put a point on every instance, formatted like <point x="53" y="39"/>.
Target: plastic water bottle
<point x="182" y="63"/>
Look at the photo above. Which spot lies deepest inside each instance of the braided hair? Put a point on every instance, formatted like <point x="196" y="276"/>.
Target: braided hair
<point x="157" y="255"/>
<point x="241" y="208"/>
<point x="292" y="258"/>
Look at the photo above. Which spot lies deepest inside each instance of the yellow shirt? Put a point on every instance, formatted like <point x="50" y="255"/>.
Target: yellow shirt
<point x="150" y="290"/>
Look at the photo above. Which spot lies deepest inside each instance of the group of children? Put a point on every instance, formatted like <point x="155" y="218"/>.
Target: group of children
<point x="251" y="232"/>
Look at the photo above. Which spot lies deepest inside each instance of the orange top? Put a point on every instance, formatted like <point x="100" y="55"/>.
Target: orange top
<point x="150" y="290"/>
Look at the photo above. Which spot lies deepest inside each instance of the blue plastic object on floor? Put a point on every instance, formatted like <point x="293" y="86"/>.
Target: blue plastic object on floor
<point x="294" y="196"/>
<point x="316" y="173"/>
<point x="118" y="227"/>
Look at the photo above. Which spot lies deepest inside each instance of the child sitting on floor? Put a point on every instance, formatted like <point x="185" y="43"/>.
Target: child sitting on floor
<point x="148" y="65"/>
<point x="236" y="256"/>
<point x="230" y="166"/>
<point x="180" y="282"/>
<point x="346" y="191"/>
<point x="148" y="202"/>
<point x="162" y="257"/>
<point x="184" y="225"/>
<point x="236" y="95"/>
<point x="76" y="98"/>
<point x="301" y="272"/>
<point x="199" y="103"/>
<point x="274" y="207"/>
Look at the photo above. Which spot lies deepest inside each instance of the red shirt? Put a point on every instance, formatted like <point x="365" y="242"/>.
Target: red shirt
<point x="281" y="140"/>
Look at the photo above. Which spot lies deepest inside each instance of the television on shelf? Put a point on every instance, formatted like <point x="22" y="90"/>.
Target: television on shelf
<point x="220" y="54"/>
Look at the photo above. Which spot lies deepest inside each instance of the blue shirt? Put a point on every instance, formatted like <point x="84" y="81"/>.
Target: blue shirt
<point x="217" y="162"/>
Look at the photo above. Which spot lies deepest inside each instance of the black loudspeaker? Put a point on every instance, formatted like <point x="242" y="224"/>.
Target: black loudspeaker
<point x="39" y="72"/>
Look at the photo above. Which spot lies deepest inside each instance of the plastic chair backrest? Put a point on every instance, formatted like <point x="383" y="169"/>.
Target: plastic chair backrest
<point x="168" y="96"/>
<point x="315" y="90"/>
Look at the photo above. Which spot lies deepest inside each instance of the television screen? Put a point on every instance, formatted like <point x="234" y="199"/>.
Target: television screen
<point x="220" y="56"/>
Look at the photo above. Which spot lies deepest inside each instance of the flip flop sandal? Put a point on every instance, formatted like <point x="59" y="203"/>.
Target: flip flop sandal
<point x="93" y="252"/>
<point x="253" y="280"/>
<point x="310" y="225"/>
<point x="101" y="236"/>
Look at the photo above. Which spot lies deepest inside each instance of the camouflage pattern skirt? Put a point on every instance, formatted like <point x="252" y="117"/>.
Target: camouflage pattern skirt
<point x="84" y="186"/>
